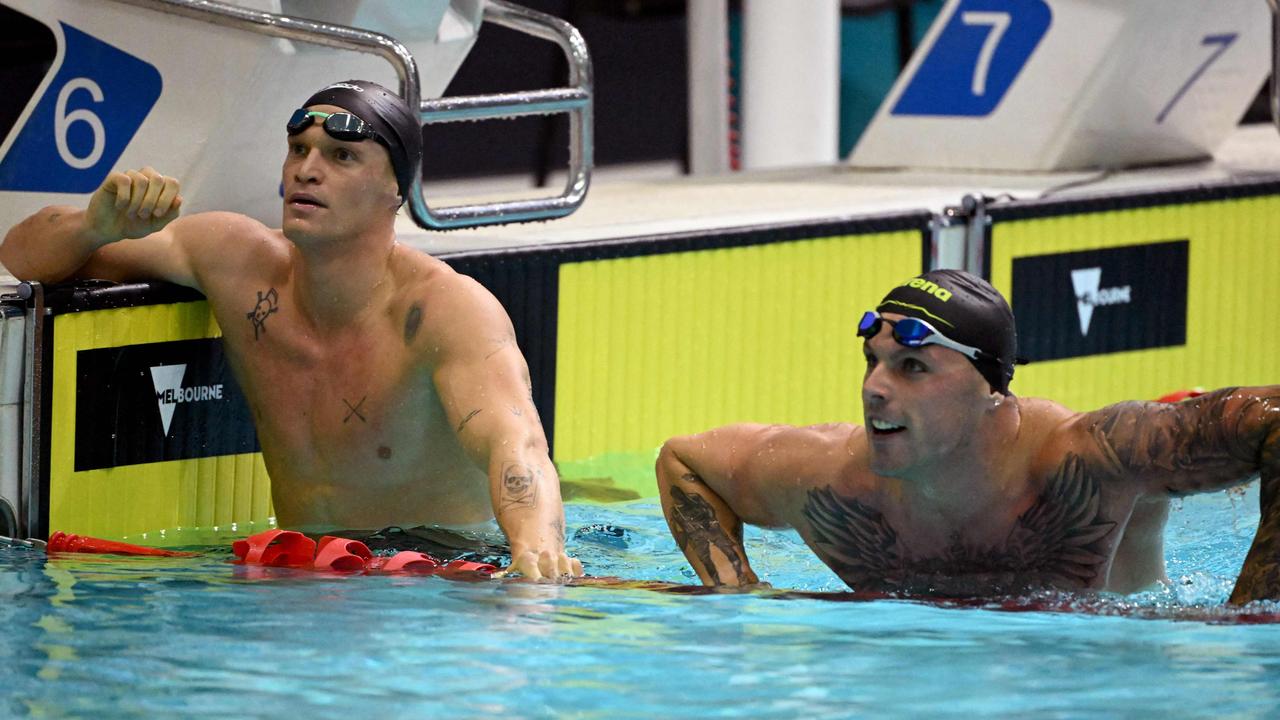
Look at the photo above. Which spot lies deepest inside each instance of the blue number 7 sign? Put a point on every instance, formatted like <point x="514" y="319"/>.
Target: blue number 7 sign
<point x="974" y="61"/>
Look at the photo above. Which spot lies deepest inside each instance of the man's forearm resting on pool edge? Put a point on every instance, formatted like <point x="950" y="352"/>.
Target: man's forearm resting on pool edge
<point x="486" y="392"/>
<point x="707" y="530"/>
<point x="57" y="241"/>
<point x="525" y="489"/>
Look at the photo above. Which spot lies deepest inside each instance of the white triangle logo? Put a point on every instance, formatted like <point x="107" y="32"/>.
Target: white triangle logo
<point x="167" y="380"/>
<point x="1086" y="282"/>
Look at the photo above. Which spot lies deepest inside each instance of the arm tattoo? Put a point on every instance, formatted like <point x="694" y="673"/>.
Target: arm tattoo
<point x="467" y="419"/>
<point x="268" y="303"/>
<point x="502" y="342"/>
<point x="354" y="410"/>
<point x="1061" y="541"/>
<point x="519" y="487"/>
<point x="1260" y="577"/>
<point x="411" y="323"/>
<point x="697" y="529"/>
<point x="1209" y="443"/>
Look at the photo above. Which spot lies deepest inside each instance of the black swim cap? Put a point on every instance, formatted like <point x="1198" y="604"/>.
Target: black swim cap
<point x="965" y="308"/>
<point x="394" y="121"/>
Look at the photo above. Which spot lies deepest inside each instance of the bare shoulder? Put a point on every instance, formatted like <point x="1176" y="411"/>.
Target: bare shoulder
<point x="1041" y="412"/>
<point x="787" y="440"/>
<point x="795" y="456"/>
<point x="222" y="227"/>
<point x="456" y="313"/>
<point x="227" y="240"/>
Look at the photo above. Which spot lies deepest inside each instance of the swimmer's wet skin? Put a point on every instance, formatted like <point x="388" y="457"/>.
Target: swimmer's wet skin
<point x="956" y="487"/>
<point x="437" y="427"/>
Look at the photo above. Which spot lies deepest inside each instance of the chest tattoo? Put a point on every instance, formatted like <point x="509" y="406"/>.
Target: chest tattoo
<point x="353" y="411"/>
<point x="411" y="324"/>
<point x="268" y="303"/>
<point x="1061" y="541"/>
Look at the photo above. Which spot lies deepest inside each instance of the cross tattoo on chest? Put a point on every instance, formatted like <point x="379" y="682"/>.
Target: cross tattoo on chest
<point x="354" y="410"/>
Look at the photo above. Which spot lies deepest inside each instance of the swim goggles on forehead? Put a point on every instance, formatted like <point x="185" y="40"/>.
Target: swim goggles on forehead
<point x="340" y="126"/>
<point x="913" y="333"/>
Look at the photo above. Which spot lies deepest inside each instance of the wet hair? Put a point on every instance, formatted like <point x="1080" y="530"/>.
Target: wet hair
<point x="967" y="309"/>
<point x="392" y="119"/>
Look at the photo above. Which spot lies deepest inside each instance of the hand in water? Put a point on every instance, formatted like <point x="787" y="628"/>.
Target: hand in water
<point x="546" y="565"/>
<point x="134" y="204"/>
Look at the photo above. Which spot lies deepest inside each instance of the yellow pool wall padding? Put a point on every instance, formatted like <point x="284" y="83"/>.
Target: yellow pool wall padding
<point x="1233" y="318"/>
<point x="162" y="502"/>
<point x="660" y="345"/>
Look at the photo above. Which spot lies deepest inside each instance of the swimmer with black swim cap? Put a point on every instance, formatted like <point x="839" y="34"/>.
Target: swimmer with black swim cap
<point x="386" y="388"/>
<point x="374" y="112"/>
<point x="954" y="486"/>
<point x="957" y="310"/>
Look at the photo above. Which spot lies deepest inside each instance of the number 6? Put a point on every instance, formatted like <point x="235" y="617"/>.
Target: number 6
<point x="62" y="121"/>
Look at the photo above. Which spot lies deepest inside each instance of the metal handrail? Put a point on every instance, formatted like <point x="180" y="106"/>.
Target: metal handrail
<point x="574" y="100"/>
<point x="300" y="29"/>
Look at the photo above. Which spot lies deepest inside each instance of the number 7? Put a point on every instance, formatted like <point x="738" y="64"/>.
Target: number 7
<point x="1223" y="41"/>
<point x="999" y="22"/>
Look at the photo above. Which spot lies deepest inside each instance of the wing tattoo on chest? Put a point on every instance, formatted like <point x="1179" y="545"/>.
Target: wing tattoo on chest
<point x="1061" y="541"/>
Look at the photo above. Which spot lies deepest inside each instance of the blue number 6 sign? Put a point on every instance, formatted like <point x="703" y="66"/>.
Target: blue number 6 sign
<point x="976" y="58"/>
<point x="88" y="114"/>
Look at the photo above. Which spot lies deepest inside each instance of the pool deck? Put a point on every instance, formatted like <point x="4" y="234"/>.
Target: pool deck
<point x="637" y="208"/>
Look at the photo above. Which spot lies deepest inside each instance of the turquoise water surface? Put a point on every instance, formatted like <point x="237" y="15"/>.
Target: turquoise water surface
<point x="112" y="637"/>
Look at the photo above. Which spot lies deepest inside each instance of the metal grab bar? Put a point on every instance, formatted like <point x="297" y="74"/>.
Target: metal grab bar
<point x="302" y="30"/>
<point x="574" y="100"/>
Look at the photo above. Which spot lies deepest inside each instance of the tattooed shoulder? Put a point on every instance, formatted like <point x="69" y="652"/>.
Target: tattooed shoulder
<point x="268" y="304"/>
<point x="412" y="321"/>
<point x="1198" y="445"/>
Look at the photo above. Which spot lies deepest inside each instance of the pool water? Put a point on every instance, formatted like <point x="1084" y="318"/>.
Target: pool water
<point x="111" y="637"/>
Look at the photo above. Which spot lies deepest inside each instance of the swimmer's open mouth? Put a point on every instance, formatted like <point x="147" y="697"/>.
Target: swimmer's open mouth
<point x="305" y="199"/>
<point x="881" y="427"/>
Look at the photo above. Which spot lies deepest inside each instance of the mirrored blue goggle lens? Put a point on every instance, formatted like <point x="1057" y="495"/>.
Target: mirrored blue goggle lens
<point x="911" y="332"/>
<point x="869" y="325"/>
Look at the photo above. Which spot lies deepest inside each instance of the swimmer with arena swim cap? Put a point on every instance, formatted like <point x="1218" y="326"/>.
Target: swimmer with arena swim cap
<point x="968" y="310"/>
<point x="954" y="486"/>
<point x="386" y="389"/>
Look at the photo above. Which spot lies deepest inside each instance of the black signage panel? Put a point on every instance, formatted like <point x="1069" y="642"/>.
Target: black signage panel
<point x="1101" y="301"/>
<point x="159" y="401"/>
<point x="29" y="51"/>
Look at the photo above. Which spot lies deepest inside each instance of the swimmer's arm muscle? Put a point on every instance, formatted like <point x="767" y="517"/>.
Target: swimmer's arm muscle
<point x="61" y="241"/>
<point x="483" y="383"/>
<point x="708" y="491"/>
<point x="1212" y="442"/>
